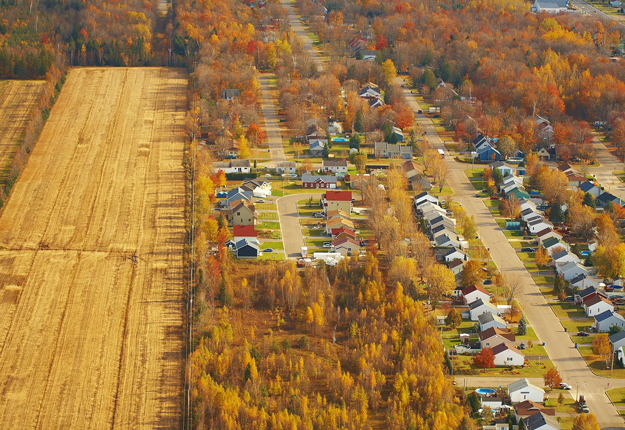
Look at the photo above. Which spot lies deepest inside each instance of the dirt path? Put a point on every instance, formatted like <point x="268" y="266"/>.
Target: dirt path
<point x="87" y="338"/>
<point x="18" y="99"/>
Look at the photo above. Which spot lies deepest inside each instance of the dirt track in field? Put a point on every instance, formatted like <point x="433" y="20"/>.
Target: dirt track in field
<point x="87" y="338"/>
<point x="17" y="101"/>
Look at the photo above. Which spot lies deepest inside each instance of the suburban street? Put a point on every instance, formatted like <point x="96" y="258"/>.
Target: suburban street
<point x="558" y="344"/>
<point x="300" y="31"/>
<point x="272" y="125"/>
<point x="292" y="235"/>
<point x="603" y="173"/>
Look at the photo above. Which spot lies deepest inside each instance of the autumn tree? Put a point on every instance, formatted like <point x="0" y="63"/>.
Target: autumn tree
<point x="581" y="218"/>
<point x="388" y="71"/>
<point x="507" y="146"/>
<point x="552" y="378"/>
<point x="541" y="258"/>
<point x="439" y="171"/>
<point x="511" y="286"/>
<point x="553" y="184"/>
<point x="440" y="281"/>
<point x="511" y="207"/>
<point x="454" y="319"/>
<point x="485" y="359"/>
<point x="244" y="150"/>
<point x="585" y="422"/>
<point x="601" y="346"/>
<point x="472" y="274"/>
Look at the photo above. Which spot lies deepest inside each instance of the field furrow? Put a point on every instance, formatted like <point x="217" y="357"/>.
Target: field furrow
<point x="90" y="338"/>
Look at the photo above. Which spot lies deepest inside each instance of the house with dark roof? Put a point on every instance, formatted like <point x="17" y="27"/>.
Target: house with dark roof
<point x="456" y="266"/>
<point x="536" y="225"/>
<point x="547" y="154"/>
<point x="585" y="294"/>
<point x="445" y="241"/>
<point x="238" y="193"/>
<point x="317" y="181"/>
<point x="473" y="293"/>
<point x="617" y="340"/>
<point x="316" y="147"/>
<point x="541" y="421"/>
<point x="528" y="408"/>
<point x="606" y="198"/>
<point x="247" y="249"/>
<point x="570" y="270"/>
<point x="583" y="281"/>
<point x="597" y="305"/>
<point x="492" y="337"/>
<point x="455" y="254"/>
<point x="315" y="132"/>
<point x="564" y="256"/>
<point x="590" y="188"/>
<point x="479" y="307"/>
<point x="546" y="233"/>
<point x="508" y="355"/>
<point x="552" y="243"/>
<point x="489" y="320"/>
<point x="607" y="319"/>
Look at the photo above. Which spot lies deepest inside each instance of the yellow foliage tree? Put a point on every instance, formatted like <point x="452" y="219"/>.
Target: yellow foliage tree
<point x="244" y="149"/>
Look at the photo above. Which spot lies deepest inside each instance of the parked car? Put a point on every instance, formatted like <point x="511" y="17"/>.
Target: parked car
<point x="268" y="250"/>
<point x="564" y="386"/>
<point x="420" y="111"/>
<point x="487" y="282"/>
<point x="318" y="214"/>
<point x="522" y="345"/>
<point x="260" y="201"/>
<point x="528" y="249"/>
<point x="327" y="244"/>
<point x="569" y="299"/>
<point x="583" y="334"/>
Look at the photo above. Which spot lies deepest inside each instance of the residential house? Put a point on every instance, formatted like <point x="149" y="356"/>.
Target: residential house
<point x="479" y="141"/>
<point x="232" y="166"/>
<point x="442" y="219"/>
<point x="335" y="127"/>
<point x="567" y="168"/>
<point x="455" y="254"/>
<point x="314" y="132"/>
<point x="547" y="154"/>
<point x="590" y="188"/>
<point x="542" y="421"/>
<point x="456" y="266"/>
<point x="338" y="223"/>
<point x="522" y="390"/>
<point x="399" y="135"/>
<point x="492" y="337"/>
<point x="489" y="320"/>
<point x="545" y="234"/>
<point x="605" y="198"/>
<point x="518" y="192"/>
<point x="585" y="294"/>
<point x="229" y="94"/>
<point x="446" y="241"/>
<point x="414" y="174"/>
<point x="337" y="233"/>
<point x="607" y="319"/>
<point x="247" y="232"/>
<point x="247" y="249"/>
<point x="473" y="293"/>
<point x="597" y="305"/>
<point x="442" y="229"/>
<point x="508" y="355"/>
<point x="338" y="167"/>
<point x="575" y="180"/>
<point x="582" y="282"/>
<point x="333" y="200"/>
<point x="570" y="270"/>
<point x="286" y="167"/>
<point x="509" y="187"/>
<point x="487" y="153"/>
<point x="543" y="129"/>
<point x="391" y="150"/>
<point x="528" y="408"/>
<point x="505" y="168"/>
<point x="316" y="181"/>
<point x="238" y="193"/>
<point x="535" y="226"/>
<point x="508" y="181"/>
<point x="258" y="187"/>
<point x="241" y="212"/>
<point x="346" y="246"/>
<point x="424" y="197"/>
<point x="316" y="147"/>
<point x="479" y="307"/>
<point x="429" y="210"/>
<point x="564" y="256"/>
<point x="617" y="340"/>
<point x="357" y="43"/>
<point x="553" y="243"/>
<point x="495" y="403"/>
<point x="528" y="214"/>
<point x="335" y="213"/>
<point x="368" y="54"/>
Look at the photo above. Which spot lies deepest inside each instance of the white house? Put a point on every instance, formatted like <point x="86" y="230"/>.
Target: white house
<point x="505" y="168"/>
<point x="545" y="234"/>
<point x="445" y="241"/>
<point x="456" y="266"/>
<point x="335" y="166"/>
<point x="618" y="340"/>
<point x="550" y="6"/>
<point x="489" y="320"/>
<point x="286" y="167"/>
<point x="527" y="214"/>
<point x="538" y="225"/>
<point x="232" y="166"/>
<point x="564" y="256"/>
<point x="590" y="188"/>
<point x="597" y="305"/>
<point x="570" y="270"/>
<point x="508" y="356"/>
<point x="428" y="210"/>
<point x="335" y="127"/>
<point x="525" y="203"/>
<point x="522" y="390"/>
<point x="511" y="180"/>
<point x="454" y="254"/>
<point x="244" y="232"/>
<point x="552" y="243"/>
<point x="423" y="197"/>
<point x="607" y="319"/>
<point x="473" y="293"/>
<point x="583" y="281"/>
<point x="479" y="307"/>
<point x="541" y="421"/>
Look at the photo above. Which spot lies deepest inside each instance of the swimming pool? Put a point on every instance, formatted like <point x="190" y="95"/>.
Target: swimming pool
<point x="585" y="253"/>
<point x="339" y="139"/>
<point x="485" y="391"/>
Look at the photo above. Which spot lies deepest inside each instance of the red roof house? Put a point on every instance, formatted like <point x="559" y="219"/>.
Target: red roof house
<point x="244" y="232"/>
<point x="340" y="230"/>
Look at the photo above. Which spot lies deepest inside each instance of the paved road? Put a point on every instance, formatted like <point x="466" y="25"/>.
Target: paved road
<point x="292" y="235"/>
<point x="300" y="31"/>
<point x="272" y="125"/>
<point x="603" y="174"/>
<point x="587" y="7"/>
<point x="547" y="326"/>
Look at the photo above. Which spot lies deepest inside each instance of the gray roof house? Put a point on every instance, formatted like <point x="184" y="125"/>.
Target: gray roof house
<point x="607" y="319"/>
<point x="316" y="146"/>
<point x="550" y="6"/>
<point x="391" y="150"/>
<point x="589" y="187"/>
<point x="489" y="320"/>
<point x="541" y="421"/>
<point x="618" y="339"/>
<point x="238" y="193"/>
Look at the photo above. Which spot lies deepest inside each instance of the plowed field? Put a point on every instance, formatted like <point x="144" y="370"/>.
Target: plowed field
<point x="17" y="101"/>
<point x="90" y="338"/>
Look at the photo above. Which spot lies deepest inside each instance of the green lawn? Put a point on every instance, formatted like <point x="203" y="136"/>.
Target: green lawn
<point x="492" y="203"/>
<point x="268" y="225"/>
<point x="447" y="191"/>
<point x="474" y="173"/>
<point x="513" y="233"/>
<point x="544" y="280"/>
<point x="316" y="243"/>
<point x="313" y="232"/>
<point x="265" y="206"/>
<point x="617" y="395"/>
<point x="268" y="215"/>
<point x="463" y="366"/>
<point x="568" y="310"/>
<point x="527" y="256"/>
<point x="272" y="245"/>
<point x="568" y="406"/>
<point x="275" y="256"/>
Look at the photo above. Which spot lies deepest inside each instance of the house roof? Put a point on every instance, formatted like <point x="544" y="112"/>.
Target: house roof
<point x="345" y="240"/>
<point x="316" y="145"/>
<point x="586" y="291"/>
<point x="442" y="239"/>
<point x="334" y="163"/>
<point x="240" y="163"/>
<point x="490" y="332"/>
<point x="544" y="232"/>
<point x="339" y="196"/>
<point x="479" y="302"/>
<point x="527" y="407"/>
<point x="239" y="204"/>
<point x="473" y="288"/>
<point x="606" y="197"/>
<point x="560" y="254"/>
<point x="571" y="265"/>
<point x="244" y="242"/>
<point x="539" y="420"/>
<point x="586" y="186"/>
<point x="576" y="177"/>
<point x="549" y="242"/>
<point x="596" y="299"/>
<point x="286" y="164"/>
<point x="238" y="190"/>
<point x="566" y="167"/>
<point x="488" y="317"/>
<point x="457" y="262"/>
<point x="244" y="231"/>
<point x="340" y="220"/>
<point x="526" y="211"/>
<point x="409" y="166"/>
<point x="331" y="214"/>
<point x="521" y="384"/>
<point x="534" y="222"/>
<point x="617" y="336"/>
<point x="502" y="347"/>
<point x="337" y="231"/>
<point x="579" y="278"/>
<point x="608" y="314"/>
<point x="452" y="251"/>
<point x="328" y="179"/>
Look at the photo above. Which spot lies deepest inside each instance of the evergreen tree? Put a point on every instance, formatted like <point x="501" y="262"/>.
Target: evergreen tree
<point x="355" y="141"/>
<point x="558" y="285"/>
<point x="359" y="122"/>
<point x="589" y="200"/>
<point x="522" y="329"/>
<point x="555" y="214"/>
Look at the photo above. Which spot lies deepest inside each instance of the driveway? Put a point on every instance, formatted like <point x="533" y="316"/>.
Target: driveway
<point x="558" y="344"/>
<point x="272" y="125"/>
<point x="292" y="234"/>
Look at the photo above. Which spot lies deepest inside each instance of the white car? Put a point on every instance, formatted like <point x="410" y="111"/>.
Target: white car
<point x="327" y="244"/>
<point x="564" y="386"/>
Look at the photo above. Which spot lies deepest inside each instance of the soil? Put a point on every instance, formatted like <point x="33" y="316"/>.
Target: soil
<point x="91" y="269"/>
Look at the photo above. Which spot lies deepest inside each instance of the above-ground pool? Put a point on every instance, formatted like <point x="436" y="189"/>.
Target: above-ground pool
<point x="485" y="391"/>
<point x="584" y="252"/>
<point x="339" y="139"/>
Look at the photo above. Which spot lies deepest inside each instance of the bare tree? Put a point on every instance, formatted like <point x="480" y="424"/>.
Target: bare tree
<point x="439" y="171"/>
<point x="512" y="286"/>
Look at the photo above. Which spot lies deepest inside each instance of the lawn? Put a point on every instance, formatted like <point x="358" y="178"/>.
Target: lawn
<point x="576" y="326"/>
<point x="513" y="233"/>
<point x="526" y="256"/>
<point x="617" y="395"/>
<point x="273" y="245"/>
<point x="316" y="243"/>
<point x="447" y="191"/>
<point x="474" y="173"/>
<point x="268" y="225"/>
<point x="490" y="203"/>
<point x="463" y="366"/>
<point x="276" y="256"/>
<point x="479" y="185"/>
<point x="265" y="206"/>
<point x="268" y="215"/>
<point x="544" y="280"/>
<point x="598" y="366"/>
<point x="568" y="406"/>
<point x="568" y="310"/>
<point x="501" y="222"/>
<point x="313" y="232"/>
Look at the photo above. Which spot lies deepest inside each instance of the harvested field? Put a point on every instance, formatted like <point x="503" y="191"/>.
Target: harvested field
<point x="18" y="99"/>
<point x="89" y="338"/>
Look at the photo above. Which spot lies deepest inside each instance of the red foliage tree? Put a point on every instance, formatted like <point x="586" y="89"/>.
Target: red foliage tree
<point x="485" y="359"/>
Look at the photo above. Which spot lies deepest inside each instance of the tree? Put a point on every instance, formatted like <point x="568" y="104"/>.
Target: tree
<point x="555" y="213"/>
<point x="439" y="171"/>
<point x="553" y="184"/>
<point x="454" y="318"/>
<point x="511" y="207"/>
<point x="360" y="161"/>
<point x="558" y="284"/>
<point x="512" y="286"/>
<point x="359" y="122"/>
<point x="589" y="200"/>
<point x="601" y="346"/>
<point x="244" y="151"/>
<point x="585" y="422"/>
<point x="581" y="220"/>
<point x="472" y="274"/>
<point x="606" y="230"/>
<point x="552" y="378"/>
<point x="429" y="79"/>
<point x="354" y="141"/>
<point x="389" y="72"/>
<point x="469" y="227"/>
<point x="441" y="281"/>
<point x="522" y="328"/>
<point x="542" y="256"/>
<point x="485" y="359"/>
<point x="507" y="146"/>
<point x="614" y="329"/>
